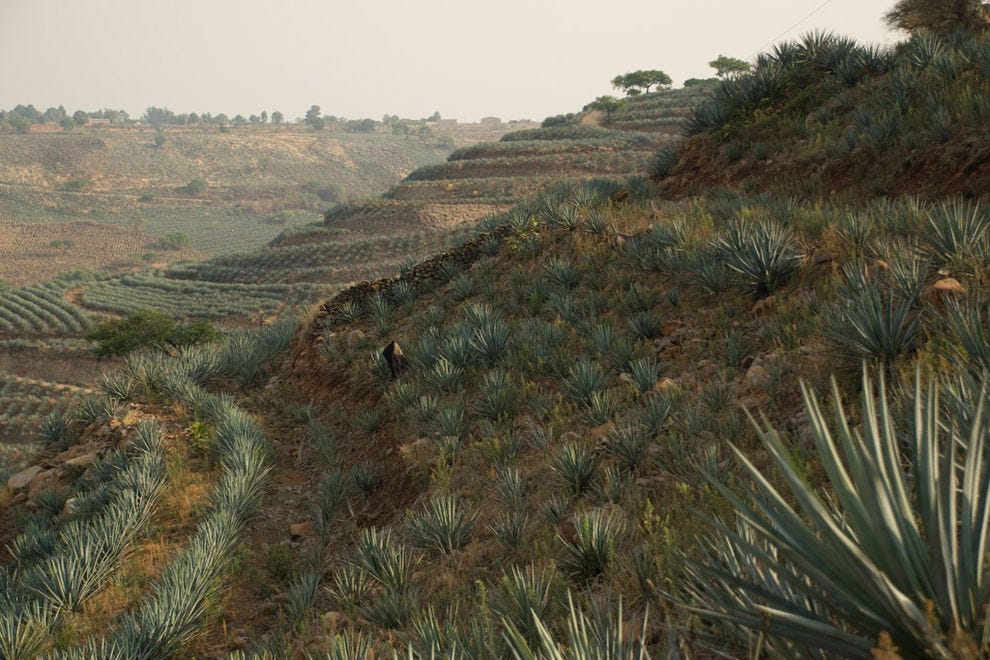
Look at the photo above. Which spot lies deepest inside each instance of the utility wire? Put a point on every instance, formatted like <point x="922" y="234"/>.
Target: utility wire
<point x="814" y="11"/>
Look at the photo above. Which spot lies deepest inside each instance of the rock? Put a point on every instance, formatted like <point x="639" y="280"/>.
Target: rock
<point x="670" y="327"/>
<point x="757" y="376"/>
<point x="762" y="304"/>
<point x="665" y="385"/>
<point x="334" y="621"/>
<point x="70" y="506"/>
<point x="395" y="358"/>
<point x="43" y="481"/>
<point x="301" y="530"/>
<point x="947" y="286"/>
<point x="601" y="431"/>
<point x="22" y="479"/>
<point x="6" y="494"/>
<point x="82" y="461"/>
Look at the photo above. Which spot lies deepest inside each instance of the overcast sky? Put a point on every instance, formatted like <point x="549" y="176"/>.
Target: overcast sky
<point x="466" y="59"/>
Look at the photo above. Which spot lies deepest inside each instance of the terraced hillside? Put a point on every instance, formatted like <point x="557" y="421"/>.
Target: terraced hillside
<point x="435" y="206"/>
<point x="490" y="177"/>
<point x="200" y="192"/>
<point x="611" y="425"/>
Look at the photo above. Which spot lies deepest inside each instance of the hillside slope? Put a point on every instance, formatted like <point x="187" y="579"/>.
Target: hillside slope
<point x="856" y="121"/>
<point x="730" y="425"/>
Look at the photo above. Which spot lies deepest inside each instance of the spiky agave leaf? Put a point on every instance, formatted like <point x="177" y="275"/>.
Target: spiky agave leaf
<point x="896" y="550"/>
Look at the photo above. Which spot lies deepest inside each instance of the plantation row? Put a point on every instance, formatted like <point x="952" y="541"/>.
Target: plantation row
<point x="671" y="128"/>
<point x="41" y="309"/>
<point x="61" y="562"/>
<point x="25" y="403"/>
<point x="186" y="299"/>
<point x="592" y="164"/>
<point x="310" y="261"/>
<point x="519" y="148"/>
<point x="507" y="189"/>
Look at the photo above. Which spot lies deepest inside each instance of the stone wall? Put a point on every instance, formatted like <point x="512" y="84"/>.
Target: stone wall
<point x="422" y="277"/>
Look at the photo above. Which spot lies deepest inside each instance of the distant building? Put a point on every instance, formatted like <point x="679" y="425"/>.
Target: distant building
<point x="490" y="121"/>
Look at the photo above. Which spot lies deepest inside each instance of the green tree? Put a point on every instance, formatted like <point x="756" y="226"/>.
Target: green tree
<point x="146" y="328"/>
<point x="641" y="81"/>
<point x="314" y="118"/>
<point x="175" y="240"/>
<point x="66" y="123"/>
<point x="726" y="67"/>
<point x="941" y="17"/>
<point x="19" y="122"/>
<point x="607" y="104"/>
<point x="277" y="117"/>
<point x="194" y="187"/>
<point x="159" y="138"/>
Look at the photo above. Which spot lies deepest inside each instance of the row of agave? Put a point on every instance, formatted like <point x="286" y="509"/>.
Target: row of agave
<point x="40" y="309"/>
<point x="84" y="555"/>
<point x="180" y="298"/>
<point x="61" y="563"/>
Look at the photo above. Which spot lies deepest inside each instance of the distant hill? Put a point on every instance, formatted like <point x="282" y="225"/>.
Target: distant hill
<point x="218" y="191"/>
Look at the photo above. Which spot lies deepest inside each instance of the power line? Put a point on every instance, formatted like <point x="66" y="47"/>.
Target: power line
<point x="815" y="11"/>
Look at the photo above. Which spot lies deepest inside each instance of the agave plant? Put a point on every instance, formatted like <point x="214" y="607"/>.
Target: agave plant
<point x="874" y="325"/>
<point x="574" y="467"/>
<point x="956" y="230"/>
<point x="599" y="635"/>
<point x="969" y="324"/>
<point x="764" y="255"/>
<point x="443" y="526"/>
<point x="591" y="553"/>
<point x="897" y="552"/>
<point x="523" y="597"/>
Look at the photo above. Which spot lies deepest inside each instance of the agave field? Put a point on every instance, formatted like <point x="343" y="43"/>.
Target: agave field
<point x="190" y="299"/>
<point x="62" y="563"/>
<point x="522" y="163"/>
<point x="325" y="261"/>
<point x="25" y="404"/>
<point x="570" y="399"/>
<point x="41" y="309"/>
<point x="612" y="424"/>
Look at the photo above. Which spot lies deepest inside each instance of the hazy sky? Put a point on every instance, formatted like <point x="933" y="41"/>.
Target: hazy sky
<point x="466" y="59"/>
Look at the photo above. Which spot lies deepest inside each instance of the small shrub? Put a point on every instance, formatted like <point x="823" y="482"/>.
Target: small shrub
<point x="509" y="529"/>
<point x="497" y="398"/>
<point x="956" y="231"/>
<point x="645" y="325"/>
<point x="644" y="372"/>
<point x="194" y="187"/>
<point x="873" y="325"/>
<point x="562" y="273"/>
<point x="523" y="597"/>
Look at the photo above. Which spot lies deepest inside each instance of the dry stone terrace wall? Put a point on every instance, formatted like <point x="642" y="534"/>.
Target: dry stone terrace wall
<point x="422" y="277"/>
